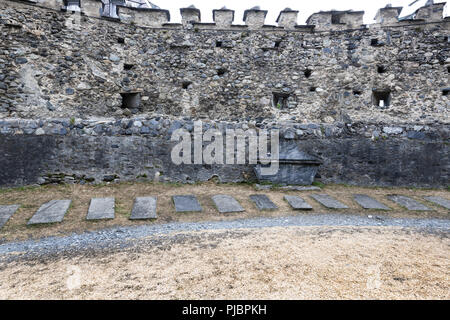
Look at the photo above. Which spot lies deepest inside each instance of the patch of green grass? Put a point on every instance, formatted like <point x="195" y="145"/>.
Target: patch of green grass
<point x="25" y="188"/>
<point x="41" y="225"/>
<point x="171" y="184"/>
<point x="28" y="206"/>
<point x="100" y="185"/>
<point x="265" y="183"/>
<point x="318" y="184"/>
<point x="120" y="210"/>
<point x="245" y="183"/>
<point x="276" y="186"/>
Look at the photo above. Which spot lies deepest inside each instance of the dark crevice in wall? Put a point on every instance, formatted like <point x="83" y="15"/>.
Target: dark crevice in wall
<point x="376" y="43"/>
<point x="221" y="71"/>
<point x="280" y="100"/>
<point x="186" y="84"/>
<point x="381" y="69"/>
<point x="308" y="73"/>
<point x="381" y="98"/>
<point x="131" y="100"/>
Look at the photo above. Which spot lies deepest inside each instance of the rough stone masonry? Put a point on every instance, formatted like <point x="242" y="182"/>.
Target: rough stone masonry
<point x="88" y="98"/>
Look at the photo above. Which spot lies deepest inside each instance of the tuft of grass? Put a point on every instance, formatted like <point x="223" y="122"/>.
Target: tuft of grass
<point x="121" y="210"/>
<point x="318" y="184"/>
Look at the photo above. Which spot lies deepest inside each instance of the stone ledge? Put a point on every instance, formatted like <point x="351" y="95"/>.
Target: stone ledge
<point x="163" y="127"/>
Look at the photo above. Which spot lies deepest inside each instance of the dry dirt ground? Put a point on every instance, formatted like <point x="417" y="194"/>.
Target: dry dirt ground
<point x="31" y="198"/>
<point x="269" y="263"/>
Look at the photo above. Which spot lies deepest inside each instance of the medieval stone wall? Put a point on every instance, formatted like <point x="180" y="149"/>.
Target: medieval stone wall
<point x="59" y="64"/>
<point x="371" y="101"/>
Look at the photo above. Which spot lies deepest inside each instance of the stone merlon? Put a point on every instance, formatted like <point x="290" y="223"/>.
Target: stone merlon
<point x="336" y="20"/>
<point x="388" y="15"/>
<point x="91" y="8"/>
<point x="144" y="16"/>
<point x="223" y="18"/>
<point x="190" y="15"/>
<point x="287" y="18"/>
<point x="254" y="18"/>
<point x="431" y="12"/>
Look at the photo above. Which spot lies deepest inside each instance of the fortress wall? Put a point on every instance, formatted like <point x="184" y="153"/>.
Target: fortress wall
<point x="85" y="151"/>
<point x="371" y="101"/>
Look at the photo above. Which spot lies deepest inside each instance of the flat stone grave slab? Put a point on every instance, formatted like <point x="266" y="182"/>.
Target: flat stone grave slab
<point x="369" y="203"/>
<point x="227" y="204"/>
<point x="408" y="203"/>
<point x="187" y="203"/>
<point x="297" y="203"/>
<point x="101" y="209"/>
<point x="439" y="201"/>
<point x="6" y="212"/>
<point x="144" y="208"/>
<point x="328" y="201"/>
<point x="51" y="212"/>
<point x="263" y="202"/>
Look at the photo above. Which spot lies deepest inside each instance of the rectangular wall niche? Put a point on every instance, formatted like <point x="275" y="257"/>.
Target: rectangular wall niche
<point x="128" y="66"/>
<point x="381" y="98"/>
<point x="131" y="100"/>
<point x="336" y="18"/>
<point x="280" y="100"/>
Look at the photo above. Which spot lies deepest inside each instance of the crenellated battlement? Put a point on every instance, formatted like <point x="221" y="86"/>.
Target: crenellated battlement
<point x="254" y="18"/>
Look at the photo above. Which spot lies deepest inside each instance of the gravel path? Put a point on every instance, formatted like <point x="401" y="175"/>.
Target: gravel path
<point x="123" y="237"/>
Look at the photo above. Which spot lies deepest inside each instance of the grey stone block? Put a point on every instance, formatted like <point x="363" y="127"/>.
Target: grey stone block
<point x="101" y="209"/>
<point x="144" y="208"/>
<point x="6" y="212"/>
<point x="227" y="204"/>
<point x="187" y="203"/>
<point x="298" y="188"/>
<point x="51" y="212"/>
<point x="408" y="203"/>
<point x="369" y="203"/>
<point x="328" y="201"/>
<point x="261" y="187"/>
<point x="439" y="201"/>
<point x="297" y="203"/>
<point x="263" y="202"/>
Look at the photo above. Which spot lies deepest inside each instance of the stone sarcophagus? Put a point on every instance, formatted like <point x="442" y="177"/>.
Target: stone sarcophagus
<point x="295" y="167"/>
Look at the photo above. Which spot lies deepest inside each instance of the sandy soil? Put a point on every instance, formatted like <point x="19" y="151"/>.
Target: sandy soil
<point x="32" y="198"/>
<point x="272" y="263"/>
